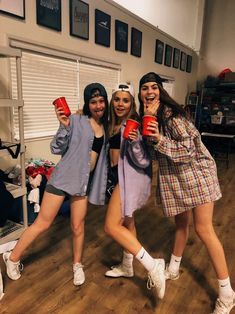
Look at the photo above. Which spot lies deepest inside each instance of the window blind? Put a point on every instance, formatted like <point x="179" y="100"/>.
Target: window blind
<point x="91" y="73"/>
<point x="44" y="79"/>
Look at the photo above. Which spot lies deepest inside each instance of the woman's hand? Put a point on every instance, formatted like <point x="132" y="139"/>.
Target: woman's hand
<point x="151" y="108"/>
<point x="133" y="135"/>
<point x="63" y="119"/>
<point x="153" y="127"/>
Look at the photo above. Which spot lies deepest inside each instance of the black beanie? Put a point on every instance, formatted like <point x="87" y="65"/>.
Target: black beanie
<point x="91" y="89"/>
<point x="150" y="77"/>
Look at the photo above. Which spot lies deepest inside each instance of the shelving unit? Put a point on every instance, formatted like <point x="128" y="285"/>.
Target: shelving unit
<point x="11" y="230"/>
<point x="217" y="108"/>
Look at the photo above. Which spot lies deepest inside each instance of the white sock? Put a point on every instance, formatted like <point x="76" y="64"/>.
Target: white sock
<point x="127" y="259"/>
<point x="225" y="289"/>
<point x="145" y="259"/>
<point x="174" y="264"/>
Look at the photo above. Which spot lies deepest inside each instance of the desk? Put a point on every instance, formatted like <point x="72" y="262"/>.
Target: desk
<point x="223" y="140"/>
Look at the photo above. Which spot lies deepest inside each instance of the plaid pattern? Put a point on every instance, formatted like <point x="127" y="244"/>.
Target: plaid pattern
<point x="187" y="171"/>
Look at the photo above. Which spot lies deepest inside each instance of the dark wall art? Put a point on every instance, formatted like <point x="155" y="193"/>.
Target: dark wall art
<point x="102" y="28"/>
<point x="136" y="42"/>
<point x="176" y="58"/>
<point x="189" y="64"/>
<point x="121" y="36"/>
<point x="49" y="13"/>
<point x="79" y="19"/>
<point x="182" y="61"/>
<point x="168" y="55"/>
<point x="159" y="51"/>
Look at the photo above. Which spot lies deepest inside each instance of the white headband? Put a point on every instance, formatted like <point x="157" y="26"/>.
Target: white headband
<point x="125" y="87"/>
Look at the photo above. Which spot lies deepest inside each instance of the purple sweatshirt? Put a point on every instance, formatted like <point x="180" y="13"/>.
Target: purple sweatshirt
<point x="134" y="175"/>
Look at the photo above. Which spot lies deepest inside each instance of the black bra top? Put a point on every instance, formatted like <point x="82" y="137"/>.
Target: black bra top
<point x="97" y="144"/>
<point x="115" y="141"/>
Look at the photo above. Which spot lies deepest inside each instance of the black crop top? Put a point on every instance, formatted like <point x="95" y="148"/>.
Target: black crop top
<point x="115" y="141"/>
<point x="97" y="144"/>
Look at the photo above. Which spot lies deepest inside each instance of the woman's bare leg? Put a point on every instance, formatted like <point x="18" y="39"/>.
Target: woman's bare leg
<point x="181" y="233"/>
<point x="204" y="228"/>
<point x="115" y="228"/>
<point x="78" y="214"/>
<point x="49" y="208"/>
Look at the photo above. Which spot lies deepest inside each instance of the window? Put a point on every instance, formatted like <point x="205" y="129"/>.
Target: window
<point x="45" y="78"/>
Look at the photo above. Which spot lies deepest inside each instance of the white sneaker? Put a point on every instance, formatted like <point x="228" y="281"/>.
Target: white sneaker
<point x="1" y="286"/>
<point x="14" y="269"/>
<point x="171" y="275"/>
<point x="156" y="278"/>
<point x="120" y="271"/>
<point x="224" y="307"/>
<point x="78" y="274"/>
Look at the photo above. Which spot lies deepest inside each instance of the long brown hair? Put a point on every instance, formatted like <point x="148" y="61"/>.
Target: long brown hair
<point x="113" y="119"/>
<point x="167" y="104"/>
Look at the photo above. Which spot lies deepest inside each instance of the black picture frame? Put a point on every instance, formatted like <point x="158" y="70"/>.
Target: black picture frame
<point x="136" y="42"/>
<point x="182" y="61"/>
<point x="159" y="51"/>
<point x="189" y="63"/>
<point x="102" y="28"/>
<point x="121" y="36"/>
<point x="168" y="55"/>
<point x="79" y="19"/>
<point x="14" y="9"/>
<point x="49" y="14"/>
<point x="176" y="58"/>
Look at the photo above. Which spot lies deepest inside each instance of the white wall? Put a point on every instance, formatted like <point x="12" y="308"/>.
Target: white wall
<point x="182" y="19"/>
<point x="218" y="45"/>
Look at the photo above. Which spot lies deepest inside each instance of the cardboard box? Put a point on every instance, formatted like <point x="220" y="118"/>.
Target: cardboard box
<point x="229" y="77"/>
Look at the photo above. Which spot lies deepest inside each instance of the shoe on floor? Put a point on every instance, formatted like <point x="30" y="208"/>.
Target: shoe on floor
<point x="170" y="275"/>
<point x="78" y="274"/>
<point x="222" y="307"/>
<point x="120" y="271"/>
<point x="156" y="278"/>
<point x="14" y="269"/>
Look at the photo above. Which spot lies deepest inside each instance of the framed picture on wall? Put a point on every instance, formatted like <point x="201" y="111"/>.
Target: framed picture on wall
<point x="14" y="8"/>
<point x="121" y="36"/>
<point x="168" y="55"/>
<point x="136" y="42"/>
<point x="176" y="58"/>
<point x="159" y="51"/>
<point x="182" y="61"/>
<point x="79" y="18"/>
<point x="102" y="28"/>
<point x="49" y="14"/>
<point x="189" y="64"/>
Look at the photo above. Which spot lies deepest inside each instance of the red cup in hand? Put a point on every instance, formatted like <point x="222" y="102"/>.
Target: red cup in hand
<point x="130" y="126"/>
<point x="62" y="103"/>
<point x="146" y="119"/>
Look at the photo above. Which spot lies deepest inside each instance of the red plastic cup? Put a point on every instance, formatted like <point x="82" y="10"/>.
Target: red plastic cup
<point x="146" y="119"/>
<point x="62" y="103"/>
<point x="130" y="126"/>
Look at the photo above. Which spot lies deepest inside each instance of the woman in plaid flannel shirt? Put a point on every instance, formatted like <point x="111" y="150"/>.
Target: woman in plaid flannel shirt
<point x="187" y="180"/>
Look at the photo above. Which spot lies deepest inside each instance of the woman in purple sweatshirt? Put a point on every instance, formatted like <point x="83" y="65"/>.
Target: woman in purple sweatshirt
<point x="131" y="174"/>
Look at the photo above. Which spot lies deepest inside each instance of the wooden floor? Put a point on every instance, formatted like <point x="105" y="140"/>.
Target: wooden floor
<point x="46" y="284"/>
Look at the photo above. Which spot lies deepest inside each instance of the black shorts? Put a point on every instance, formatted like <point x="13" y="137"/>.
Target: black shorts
<point x="53" y="190"/>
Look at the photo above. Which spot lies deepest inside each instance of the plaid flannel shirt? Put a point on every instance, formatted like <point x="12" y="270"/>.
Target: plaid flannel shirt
<point x="187" y="171"/>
